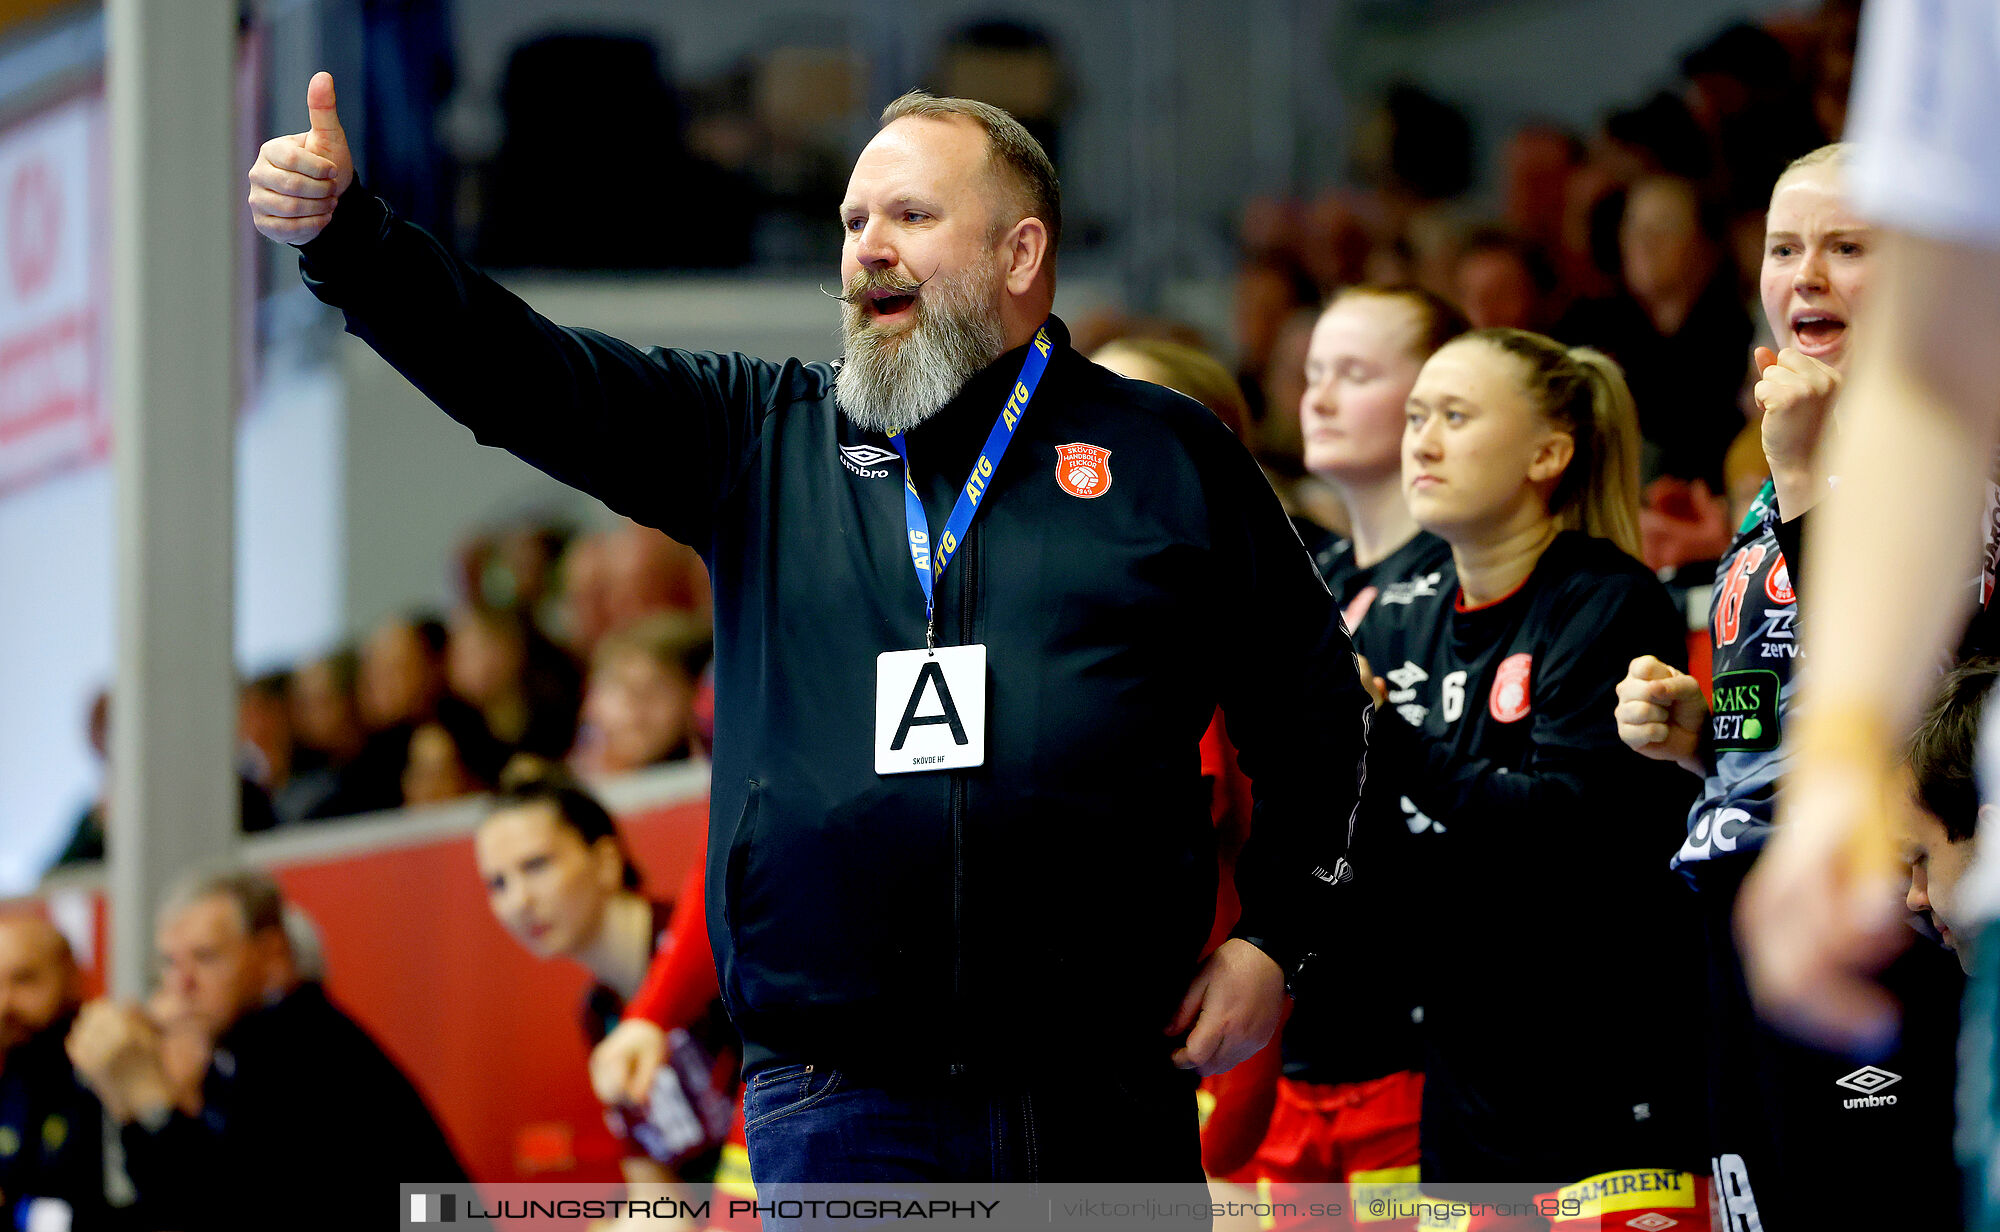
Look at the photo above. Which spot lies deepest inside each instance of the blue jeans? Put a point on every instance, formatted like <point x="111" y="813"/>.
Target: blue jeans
<point x="814" y="1123"/>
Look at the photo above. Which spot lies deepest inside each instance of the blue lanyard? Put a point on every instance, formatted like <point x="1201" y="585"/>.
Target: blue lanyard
<point x="930" y="565"/>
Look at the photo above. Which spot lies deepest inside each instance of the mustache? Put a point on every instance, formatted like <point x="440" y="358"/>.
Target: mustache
<point x="862" y="283"/>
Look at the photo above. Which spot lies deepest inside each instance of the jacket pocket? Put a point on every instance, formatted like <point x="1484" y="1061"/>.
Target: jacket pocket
<point x="740" y="839"/>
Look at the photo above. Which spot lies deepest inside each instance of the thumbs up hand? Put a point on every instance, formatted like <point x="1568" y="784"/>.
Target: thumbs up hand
<point x="298" y="179"/>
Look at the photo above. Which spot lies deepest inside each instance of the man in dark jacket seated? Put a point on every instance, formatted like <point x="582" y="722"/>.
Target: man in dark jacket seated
<point x="300" y="1111"/>
<point x="51" y="1138"/>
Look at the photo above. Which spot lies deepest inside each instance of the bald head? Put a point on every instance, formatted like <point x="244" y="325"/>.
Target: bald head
<point x="39" y="982"/>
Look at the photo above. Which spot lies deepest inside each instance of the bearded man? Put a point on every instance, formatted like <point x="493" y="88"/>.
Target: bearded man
<point x="960" y="867"/>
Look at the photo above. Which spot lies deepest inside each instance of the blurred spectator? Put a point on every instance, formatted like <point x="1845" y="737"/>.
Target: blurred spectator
<point x="451" y="755"/>
<point x="1658" y="137"/>
<point x="1013" y="66"/>
<point x="1683" y="522"/>
<point x="326" y="713"/>
<point x="514" y="566"/>
<point x="1503" y="280"/>
<point x="402" y="671"/>
<point x="86" y="837"/>
<point x="293" y="1081"/>
<point x="327" y="738"/>
<point x="1832" y="70"/>
<point x="1178" y="367"/>
<point x="1418" y="148"/>
<point x="524" y="687"/>
<point x="1679" y="331"/>
<point x="1334" y="242"/>
<point x="1538" y="161"/>
<point x="264" y="725"/>
<point x="1746" y="94"/>
<point x="647" y="572"/>
<point x="52" y="1165"/>
<point x="400" y="681"/>
<point x="1587" y="256"/>
<point x="1099" y="329"/>
<point x="1270" y="288"/>
<point x="586" y="594"/>
<point x="186" y="1044"/>
<point x="554" y="101"/>
<point x="638" y="709"/>
<point x="1274" y="436"/>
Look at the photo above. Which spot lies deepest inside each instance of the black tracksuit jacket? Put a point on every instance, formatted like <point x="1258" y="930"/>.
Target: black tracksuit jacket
<point x="1553" y="947"/>
<point x="1055" y="898"/>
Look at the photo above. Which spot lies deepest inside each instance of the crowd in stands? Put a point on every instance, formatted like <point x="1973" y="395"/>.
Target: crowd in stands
<point x="586" y="650"/>
<point x="1513" y="444"/>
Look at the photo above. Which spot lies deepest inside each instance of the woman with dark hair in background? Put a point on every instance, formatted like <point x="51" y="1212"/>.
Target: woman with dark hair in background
<point x="524" y="687"/>
<point x="560" y="879"/>
<point x="1678" y="330"/>
<point x="1528" y="837"/>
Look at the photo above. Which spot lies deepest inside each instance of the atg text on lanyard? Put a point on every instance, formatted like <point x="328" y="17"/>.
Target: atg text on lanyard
<point x="930" y="704"/>
<point x="931" y="565"/>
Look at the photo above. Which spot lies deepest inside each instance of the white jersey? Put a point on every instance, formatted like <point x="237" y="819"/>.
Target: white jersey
<point x="1925" y="117"/>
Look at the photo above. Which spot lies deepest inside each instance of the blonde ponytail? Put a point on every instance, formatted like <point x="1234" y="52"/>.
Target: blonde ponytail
<point x="1606" y="502"/>
<point x="1583" y="392"/>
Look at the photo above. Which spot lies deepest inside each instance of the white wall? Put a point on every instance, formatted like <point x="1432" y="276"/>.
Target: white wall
<point x="57" y="588"/>
<point x="55" y="650"/>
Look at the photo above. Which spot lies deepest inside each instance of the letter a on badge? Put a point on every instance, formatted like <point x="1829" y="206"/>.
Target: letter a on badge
<point x="930" y="709"/>
<point x="930" y="676"/>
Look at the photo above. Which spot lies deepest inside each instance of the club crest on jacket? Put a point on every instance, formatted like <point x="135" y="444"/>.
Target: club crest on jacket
<point x="1083" y="470"/>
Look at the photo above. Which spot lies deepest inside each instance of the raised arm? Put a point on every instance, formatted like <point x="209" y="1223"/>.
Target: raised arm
<point x="659" y="435"/>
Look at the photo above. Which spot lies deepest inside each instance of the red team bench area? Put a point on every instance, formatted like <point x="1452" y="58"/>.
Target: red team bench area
<point x="488" y="1033"/>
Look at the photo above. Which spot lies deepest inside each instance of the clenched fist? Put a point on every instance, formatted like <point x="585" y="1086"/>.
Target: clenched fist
<point x="1660" y="713"/>
<point x="1795" y="392"/>
<point x="298" y="179"/>
<point x="115" y="1049"/>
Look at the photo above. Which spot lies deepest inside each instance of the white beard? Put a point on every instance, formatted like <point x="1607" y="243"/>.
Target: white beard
<point x="895" y="378"/>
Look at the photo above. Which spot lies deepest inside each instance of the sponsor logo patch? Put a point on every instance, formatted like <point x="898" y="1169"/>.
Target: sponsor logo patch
<point x="1508" y="703"/>
<point x="1651" y="1221"/>
<point x="867" y="461"/>
<point x="1408" y="676"/>
<point x="1744" y="716"/>
<point x="1083" y="470"/>
<point x="1868" y="1080"/>
<point x="1778" y="583"/>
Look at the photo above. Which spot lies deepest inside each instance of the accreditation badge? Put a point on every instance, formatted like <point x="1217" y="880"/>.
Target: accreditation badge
<point x="930" y="709"/>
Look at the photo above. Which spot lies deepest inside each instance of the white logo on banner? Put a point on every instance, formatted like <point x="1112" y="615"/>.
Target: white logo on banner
<point x="51" y="345"/>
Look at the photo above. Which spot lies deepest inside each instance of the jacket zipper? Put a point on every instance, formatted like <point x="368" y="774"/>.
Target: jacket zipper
<point x="965" y="589"/>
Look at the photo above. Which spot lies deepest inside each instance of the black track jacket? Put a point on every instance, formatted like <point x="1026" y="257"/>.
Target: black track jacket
<point x="1058" y="896"/>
